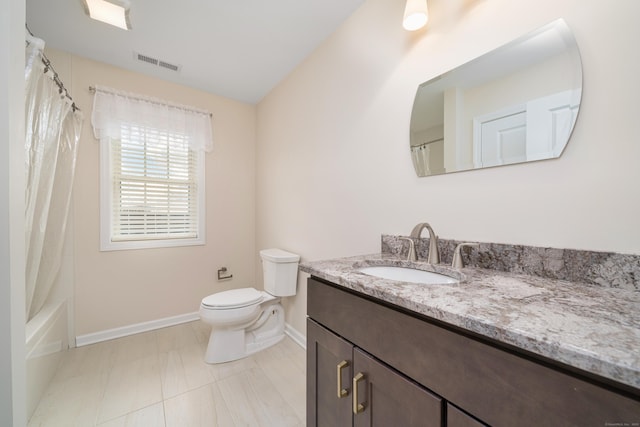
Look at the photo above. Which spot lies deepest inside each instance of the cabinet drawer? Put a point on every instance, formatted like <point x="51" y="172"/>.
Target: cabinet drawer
<point x="494" y="385"/>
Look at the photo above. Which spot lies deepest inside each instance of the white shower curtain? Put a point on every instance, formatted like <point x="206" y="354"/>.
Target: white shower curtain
<point x="52" y="132"/>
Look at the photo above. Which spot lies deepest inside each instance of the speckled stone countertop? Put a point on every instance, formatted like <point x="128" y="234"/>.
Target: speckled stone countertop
<point x="595" y="329"/>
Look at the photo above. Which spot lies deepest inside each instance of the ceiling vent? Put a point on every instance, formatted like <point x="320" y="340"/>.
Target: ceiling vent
<point x="168" y="66"/>
<point x="157" y="62"/>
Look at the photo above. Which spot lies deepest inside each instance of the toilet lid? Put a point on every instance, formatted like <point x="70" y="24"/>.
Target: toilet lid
<point x="234" y="298"/>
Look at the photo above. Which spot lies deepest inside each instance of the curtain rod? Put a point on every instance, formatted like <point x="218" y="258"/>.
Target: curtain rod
<point x="48" y="66"/>
<point x="424" y="144"/>
<point x="93" y="89"/>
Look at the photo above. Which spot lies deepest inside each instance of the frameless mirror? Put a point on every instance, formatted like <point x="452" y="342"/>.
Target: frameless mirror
<point x="517" y="103"/>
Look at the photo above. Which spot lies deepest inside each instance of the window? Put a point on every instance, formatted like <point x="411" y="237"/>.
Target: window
<point x="154" y="185"/>
<point x="151" y="185"/>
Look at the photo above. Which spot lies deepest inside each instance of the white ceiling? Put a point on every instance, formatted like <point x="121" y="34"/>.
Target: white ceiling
<point x="239" y="49"/>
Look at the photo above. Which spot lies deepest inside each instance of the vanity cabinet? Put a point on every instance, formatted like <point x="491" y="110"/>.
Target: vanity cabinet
<point x="416" y="371"/>
<point x="350" y="387"/>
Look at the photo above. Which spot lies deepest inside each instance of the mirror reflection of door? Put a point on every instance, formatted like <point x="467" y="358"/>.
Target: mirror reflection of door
<point x="551" y="120"/>
<point x="502" y="140"/>
<point x="537" y="130"/>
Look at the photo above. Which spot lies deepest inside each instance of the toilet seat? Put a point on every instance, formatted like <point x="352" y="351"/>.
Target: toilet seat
<point x="235" y="298"/>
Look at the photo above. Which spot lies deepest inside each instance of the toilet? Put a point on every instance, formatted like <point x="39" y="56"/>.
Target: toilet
<point x="244" y="321"/>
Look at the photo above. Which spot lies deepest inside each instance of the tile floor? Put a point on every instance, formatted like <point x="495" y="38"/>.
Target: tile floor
<point x="159" y="378"/>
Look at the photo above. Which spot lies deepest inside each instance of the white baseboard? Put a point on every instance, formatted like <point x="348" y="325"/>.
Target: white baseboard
<point x="124" y="331"/>
<point x="109" y="334"/>
<point x="296" y="336"/>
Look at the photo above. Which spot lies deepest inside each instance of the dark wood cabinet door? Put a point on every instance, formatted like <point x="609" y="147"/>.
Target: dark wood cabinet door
<point x="457" y="418"/>
<point x="389" y="398"/>
<point x="326" y="357"/>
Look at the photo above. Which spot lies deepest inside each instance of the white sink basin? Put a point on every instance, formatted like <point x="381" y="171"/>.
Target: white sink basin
<point x="404" y="274"/>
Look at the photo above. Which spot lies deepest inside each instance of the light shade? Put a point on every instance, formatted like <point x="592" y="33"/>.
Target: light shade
<point x="112" y="12"/>
<point x="415" y="15"/>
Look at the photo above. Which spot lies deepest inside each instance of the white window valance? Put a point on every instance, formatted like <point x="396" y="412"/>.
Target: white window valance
<point x="113" y="108"/>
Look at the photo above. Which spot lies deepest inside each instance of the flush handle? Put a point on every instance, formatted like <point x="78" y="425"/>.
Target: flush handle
<point x="342" y="392"/>
<point x="357" y="406"/>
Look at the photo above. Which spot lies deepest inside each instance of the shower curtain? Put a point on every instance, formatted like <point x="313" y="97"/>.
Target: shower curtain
<point x="52" y="133"/>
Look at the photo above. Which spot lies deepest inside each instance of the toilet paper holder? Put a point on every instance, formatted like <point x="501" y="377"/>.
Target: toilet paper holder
<point x="222" y="274"/>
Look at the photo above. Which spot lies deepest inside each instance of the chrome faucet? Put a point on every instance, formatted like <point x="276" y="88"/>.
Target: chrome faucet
<point x="434" y="254"/>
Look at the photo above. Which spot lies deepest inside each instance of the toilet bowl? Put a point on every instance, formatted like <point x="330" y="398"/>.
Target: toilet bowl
<point x="246" y="320"/>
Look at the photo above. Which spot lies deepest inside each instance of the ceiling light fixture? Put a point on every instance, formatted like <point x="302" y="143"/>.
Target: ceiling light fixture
<point x="416" y="15"/>
<point x="112" y="12"/>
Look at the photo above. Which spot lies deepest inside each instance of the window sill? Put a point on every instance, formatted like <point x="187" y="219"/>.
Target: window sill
<point x="149" y="244"/>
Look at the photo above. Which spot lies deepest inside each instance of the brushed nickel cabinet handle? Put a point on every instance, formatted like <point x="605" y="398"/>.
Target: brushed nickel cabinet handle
<point x="342" y="392"/>
<point x="357" y="407"/>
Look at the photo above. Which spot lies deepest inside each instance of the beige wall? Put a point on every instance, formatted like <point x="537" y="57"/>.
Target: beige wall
<point x="333" y="164"/>
<point x="121" y="288"/>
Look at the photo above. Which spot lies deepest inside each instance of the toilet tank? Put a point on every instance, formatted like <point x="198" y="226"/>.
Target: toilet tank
<point x="280" y="270"/>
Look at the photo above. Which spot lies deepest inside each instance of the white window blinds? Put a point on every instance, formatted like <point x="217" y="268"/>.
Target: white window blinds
<point x="155" y="185"/>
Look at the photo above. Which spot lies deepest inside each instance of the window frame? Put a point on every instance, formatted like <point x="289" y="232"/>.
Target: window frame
<point x="106" y="209"/>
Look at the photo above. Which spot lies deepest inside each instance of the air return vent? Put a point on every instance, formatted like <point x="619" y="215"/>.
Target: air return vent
<point x="167" y="65"/>
<point x="153" y="61"/>
<point x="145" y="58"/>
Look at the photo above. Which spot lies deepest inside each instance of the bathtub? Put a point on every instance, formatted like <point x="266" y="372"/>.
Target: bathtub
<point x="46" y="342"/>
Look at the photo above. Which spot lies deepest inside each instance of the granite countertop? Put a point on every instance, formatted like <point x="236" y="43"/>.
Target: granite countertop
<point x="592" y="328"/>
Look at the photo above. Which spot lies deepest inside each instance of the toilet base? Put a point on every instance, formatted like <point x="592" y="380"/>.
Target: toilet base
<point x="226" y="345"/>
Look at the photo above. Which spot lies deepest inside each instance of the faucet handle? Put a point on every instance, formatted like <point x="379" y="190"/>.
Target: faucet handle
<point x="457" y="256"/>
<point x="411" y="253"/>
